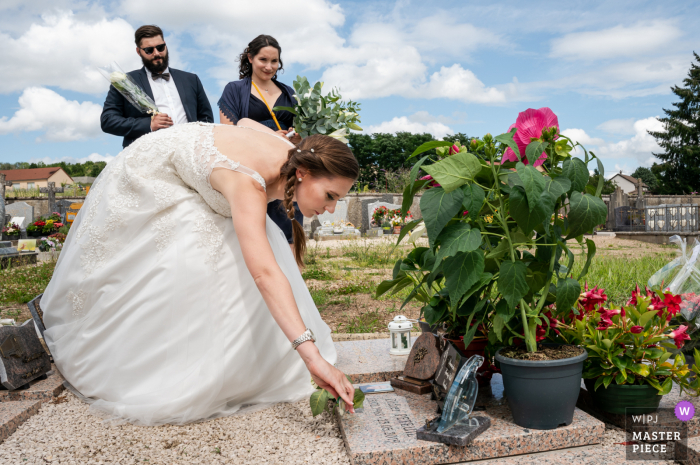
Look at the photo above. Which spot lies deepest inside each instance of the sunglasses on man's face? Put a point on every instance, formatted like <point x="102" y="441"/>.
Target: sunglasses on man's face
<point x="149" y="50"/>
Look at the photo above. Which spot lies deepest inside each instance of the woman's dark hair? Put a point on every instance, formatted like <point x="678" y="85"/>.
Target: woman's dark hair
<point x="146" y="32"/>
<point x="253" y="48"/>
<point x="320" y="156"/>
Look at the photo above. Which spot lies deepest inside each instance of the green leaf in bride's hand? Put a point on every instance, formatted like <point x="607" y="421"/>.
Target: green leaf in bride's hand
<point x="359" y="399"/>
<point x="318" y="401"/>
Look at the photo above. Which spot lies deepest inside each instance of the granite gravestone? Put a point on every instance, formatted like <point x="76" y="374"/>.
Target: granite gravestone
<point x="22" y="357"/>
<point x="390" y="419"/>
<point x="374" y="205"/>
<point x="22" y="210"/>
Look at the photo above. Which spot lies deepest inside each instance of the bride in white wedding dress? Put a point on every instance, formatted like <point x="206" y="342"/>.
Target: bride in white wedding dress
<point x="176" y="298"/>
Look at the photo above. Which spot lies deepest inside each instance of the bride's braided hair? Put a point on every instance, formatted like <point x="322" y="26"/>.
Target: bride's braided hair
<point x="320" y="156"/>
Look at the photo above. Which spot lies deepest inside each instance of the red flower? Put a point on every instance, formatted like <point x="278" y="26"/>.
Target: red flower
<point x="679" y="336"/>
<point x="465" y="212"/>
<point x="590" y="299"/>
<point x="58" y="225"/>
<point x="636" y="329"/>
<point x="672" y="302"/>
<point x="604" y="324"/>
<point x="635" y="293"/>
<point x="454" y="149"/>
<point x="428" y="177"/>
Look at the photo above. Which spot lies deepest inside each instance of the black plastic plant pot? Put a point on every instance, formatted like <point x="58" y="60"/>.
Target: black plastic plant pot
<point x="542" y="394"/>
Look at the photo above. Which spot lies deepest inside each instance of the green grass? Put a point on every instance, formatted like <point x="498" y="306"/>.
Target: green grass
<point x="321" y="298"/>
<point x="318" y="274"/>
<point x="365" y="323"/>
<point x="618" y="275"/>
<point x="22" y="284"/>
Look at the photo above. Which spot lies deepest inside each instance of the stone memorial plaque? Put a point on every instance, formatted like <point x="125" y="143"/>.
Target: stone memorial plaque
<point x="22" y="210"/>
<point x="22" y="357"/>
<point x="388" y="419"/>
<point x="447" y="369"/>
<point x="424" y="358"/>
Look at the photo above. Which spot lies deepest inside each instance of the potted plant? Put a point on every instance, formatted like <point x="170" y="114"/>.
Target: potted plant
<point x="33" y="230"/>
<point x="386" y="226"/>
<point x="630" y="363"/>
<point x="489" y="211"/>
<point x="11" y="232"/>
<point x="379" y="216"/>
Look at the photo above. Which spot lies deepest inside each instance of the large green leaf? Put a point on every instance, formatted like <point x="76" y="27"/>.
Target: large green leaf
<point x="590" y="246"/>
<point x="484" y="279"/>
<point x="318" y="401"/>
<point x="454" y="171"/>
<point x="462" y="271"/>
<point x="473" y="199"/>
<point x="358" y="399"/>
<point x="568" y="292"/>
<point x="586" y="212"/>
<point x="438" y="207"/>
<point x="575" y="169"/>
<point x="413" y="187"/>
<point x="511" y="282"/>
<point x="533" y="182"/>
<point x="429" y="146"/>
<point x="507" y="138"/>
<point x="457" y="238"/>
<point x="601" y="178"/>
<point x="534" y="150"/>
<point x="435" y="314"/>
<point x="529" y="219"/>
<point x="558" y="186"/>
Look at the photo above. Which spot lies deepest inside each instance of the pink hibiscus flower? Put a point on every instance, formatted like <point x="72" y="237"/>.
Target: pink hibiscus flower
<point x="679" y="336"/>
<point x="530" y="124"/>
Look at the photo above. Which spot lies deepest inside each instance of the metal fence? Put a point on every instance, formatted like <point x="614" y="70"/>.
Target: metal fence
<point x="671" y="217"/>
<point x="629" y="219"/>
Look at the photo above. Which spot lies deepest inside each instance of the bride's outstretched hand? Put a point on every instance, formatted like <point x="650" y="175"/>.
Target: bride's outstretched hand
<point x="327" y="376"/>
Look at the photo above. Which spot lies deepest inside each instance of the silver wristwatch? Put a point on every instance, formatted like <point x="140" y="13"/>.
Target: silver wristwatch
<point x="307" y="335"/>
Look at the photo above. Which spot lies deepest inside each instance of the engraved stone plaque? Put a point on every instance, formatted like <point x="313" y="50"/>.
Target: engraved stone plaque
<point x="448" y="367"/>
<point x="389" y="420"/>
<point x="424" y="358"/>
<point x="22" y="357"/>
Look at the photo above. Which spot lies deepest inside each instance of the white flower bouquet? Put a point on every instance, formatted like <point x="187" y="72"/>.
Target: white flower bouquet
<point x="128" y="88"/>
<point x="322" y="114"/>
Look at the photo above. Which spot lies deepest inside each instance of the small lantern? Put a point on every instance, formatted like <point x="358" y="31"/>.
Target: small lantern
<point x="400" y="330"/>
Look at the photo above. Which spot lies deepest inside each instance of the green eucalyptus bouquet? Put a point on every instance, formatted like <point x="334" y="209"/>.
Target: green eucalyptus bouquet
<point x="315" y="113"/>
<point x="499" y="216"/>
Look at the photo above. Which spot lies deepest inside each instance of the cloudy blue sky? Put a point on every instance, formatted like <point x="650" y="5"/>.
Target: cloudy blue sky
<point x="605" y="68"/>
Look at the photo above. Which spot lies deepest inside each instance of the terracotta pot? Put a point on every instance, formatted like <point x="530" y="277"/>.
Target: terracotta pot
<point x="476" y="347"/>
<point x="397" y="229"/>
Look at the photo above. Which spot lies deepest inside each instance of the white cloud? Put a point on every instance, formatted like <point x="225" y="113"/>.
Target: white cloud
<point x="93" y="157"/>
<point x="640" y="146"/>
<point x="419" y="123"/>
<point x="580" y="136"/>
<point x="63" y="51"/>
<point x="618" y="41"/>
<point x="61" y="119"/>
<point x="618" y="126"/>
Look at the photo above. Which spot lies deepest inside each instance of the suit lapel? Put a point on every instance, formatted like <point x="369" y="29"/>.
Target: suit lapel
<point x="145" y="84"/>
<point x="182" y="90"/>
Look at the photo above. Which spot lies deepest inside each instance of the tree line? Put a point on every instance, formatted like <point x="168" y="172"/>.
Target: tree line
<point x="89" y="168"/>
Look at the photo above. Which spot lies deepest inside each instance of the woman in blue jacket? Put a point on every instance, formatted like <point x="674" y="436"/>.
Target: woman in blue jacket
<point x="253" y="96"/>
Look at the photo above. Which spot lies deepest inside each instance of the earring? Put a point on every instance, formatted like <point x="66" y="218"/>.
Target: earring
<point x="299" y="179"/>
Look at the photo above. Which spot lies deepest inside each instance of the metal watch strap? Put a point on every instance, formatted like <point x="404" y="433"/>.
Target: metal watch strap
<point x="307" y="335"/>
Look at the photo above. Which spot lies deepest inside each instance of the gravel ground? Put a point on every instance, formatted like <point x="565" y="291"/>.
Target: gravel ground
<point x="284" y="434"/>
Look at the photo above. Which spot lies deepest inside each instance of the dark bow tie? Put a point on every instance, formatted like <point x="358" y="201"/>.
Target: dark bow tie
<point x="165" y="76"/>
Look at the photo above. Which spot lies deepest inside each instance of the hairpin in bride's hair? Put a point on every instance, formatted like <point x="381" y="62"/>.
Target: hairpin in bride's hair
<point x="299" y="150"/>
<point x="312" y="150"/>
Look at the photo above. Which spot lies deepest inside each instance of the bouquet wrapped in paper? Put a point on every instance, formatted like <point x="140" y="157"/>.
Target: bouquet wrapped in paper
<point x="128" y="88"/>
<point x="322" y="114"/>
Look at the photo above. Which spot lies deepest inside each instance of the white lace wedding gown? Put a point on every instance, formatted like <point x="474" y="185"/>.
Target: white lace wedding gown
<point x="151" y="313"/>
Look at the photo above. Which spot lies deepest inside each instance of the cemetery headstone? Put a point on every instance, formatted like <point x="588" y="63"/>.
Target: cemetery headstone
<point x="3" y="184"/>
<point x="62" y="207"/>
<point x="420" y="367"/>
<point x="51" y="190"/>
<point x="21" y="210"/>
<point x="357" y="209"/>
<point x="340" y="213"/>
<point x="374" y="205"/>
<point x="22" y="357"/>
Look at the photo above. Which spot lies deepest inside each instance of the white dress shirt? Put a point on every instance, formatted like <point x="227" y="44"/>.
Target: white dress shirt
<point x="167" y="98"/>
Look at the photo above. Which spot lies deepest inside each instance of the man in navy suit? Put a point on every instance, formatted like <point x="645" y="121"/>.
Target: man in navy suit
<point x="179" y="95"/>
